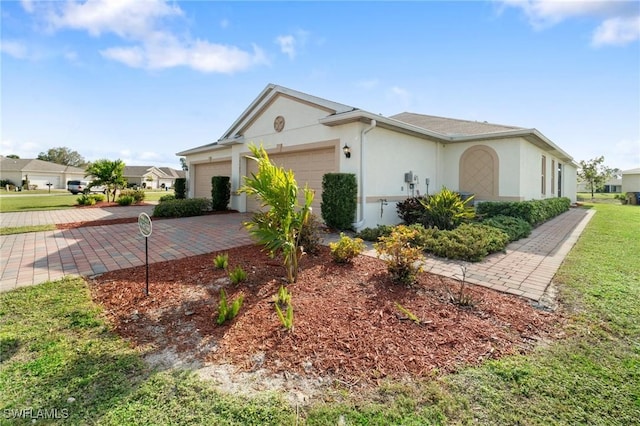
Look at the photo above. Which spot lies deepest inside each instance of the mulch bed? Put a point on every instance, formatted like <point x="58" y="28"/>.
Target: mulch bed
<point x="347" y="324"/>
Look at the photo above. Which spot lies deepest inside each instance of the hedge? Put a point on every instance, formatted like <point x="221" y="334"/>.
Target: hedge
<point x="220" y="192"/>
<point x="338" y="207"/>
<point x="182" y="207"/>
<point x="535" y="211"/>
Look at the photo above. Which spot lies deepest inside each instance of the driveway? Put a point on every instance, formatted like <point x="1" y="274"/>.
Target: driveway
<point x="526" y="269"/>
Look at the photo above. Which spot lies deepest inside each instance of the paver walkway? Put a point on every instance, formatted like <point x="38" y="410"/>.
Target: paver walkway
<point x="526" y="269"/>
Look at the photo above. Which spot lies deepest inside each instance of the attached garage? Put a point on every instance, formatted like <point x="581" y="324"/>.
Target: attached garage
<point x="308" y="166"/>
<point x="203" y="174"/>
<point x="41" y="181"/>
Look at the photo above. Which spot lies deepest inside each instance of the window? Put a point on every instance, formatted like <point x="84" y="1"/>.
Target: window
<point x="553" y="176"/>
<point x="543" y="176"/>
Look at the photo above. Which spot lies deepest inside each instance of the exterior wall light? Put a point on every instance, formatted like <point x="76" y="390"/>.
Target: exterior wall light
<point x="346" y="150"/>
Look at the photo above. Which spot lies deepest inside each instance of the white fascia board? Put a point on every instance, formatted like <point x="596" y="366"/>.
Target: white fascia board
<point x="199" y="149"/>
<point x="382" y="121"/>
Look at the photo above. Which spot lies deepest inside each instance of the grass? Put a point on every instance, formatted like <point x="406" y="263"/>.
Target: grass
<point x="25" y="229"/>
<point x="30" y="200"/>
<point x="54" y="345"/>
<point x="598" y="197"/>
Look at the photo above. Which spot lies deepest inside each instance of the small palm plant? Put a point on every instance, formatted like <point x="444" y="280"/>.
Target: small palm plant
<point x="279" y="227"/>
<point x="284" y="308"/>
<point x="221" y="261"/>
<point x="446" y="210"/>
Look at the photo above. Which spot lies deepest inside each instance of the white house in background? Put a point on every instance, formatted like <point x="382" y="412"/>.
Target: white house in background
<point x="392" y="157"/>
<point x="151" y="176"/>
<point x="38" y="172"/>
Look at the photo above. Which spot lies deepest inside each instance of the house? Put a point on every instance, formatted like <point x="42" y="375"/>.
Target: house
<point x="38" y="172"/>
<point x="392" y="157"/>
<point x="631" y="185"/>
<point x="151" y="177"/>
<point x="613" y="185"/>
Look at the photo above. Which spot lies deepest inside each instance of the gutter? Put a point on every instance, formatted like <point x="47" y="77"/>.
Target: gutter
<point x="363" y="195"/>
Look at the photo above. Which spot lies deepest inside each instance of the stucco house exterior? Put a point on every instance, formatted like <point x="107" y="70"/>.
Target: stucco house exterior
<point x="151" y="176"/>
<point x="631" y="180"/>
<point x="39" y="172"/>
<point x="392" y="157"/>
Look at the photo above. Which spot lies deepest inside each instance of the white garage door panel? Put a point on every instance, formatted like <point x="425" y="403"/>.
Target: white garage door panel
<point x="308" y="167"/>
<point x="42" y="180"/>
<point x="204" y="173"/>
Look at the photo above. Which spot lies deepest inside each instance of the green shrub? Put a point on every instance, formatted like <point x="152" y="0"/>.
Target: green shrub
<point x="86" y="200"/>
<point x="471" y="242"/>
<point x="534" y="211"/>
<point x="5" y="182"/>
<point x="310" y="238"/>
<point x="180" y="188"/>
<point x="98" y="197"/>
<point x="372" y="234"/>
<point x="137" y="195"/>
<point x="228" y="312"/>
<point x="346" y="249"/>
<point x="221" y="261"/>
<point x="412" y="210"/>
<point x="125" y="200"/>
<point x="446" y="210"/>
<point x="403" y="258"/>
<point x="220" y="192"/>
<point x="238" y="275"/>
<point x="339" y="204"/>
<point x="167" y="197"/>
<point x="182" y="208"/>
<point x="515" y="227"/>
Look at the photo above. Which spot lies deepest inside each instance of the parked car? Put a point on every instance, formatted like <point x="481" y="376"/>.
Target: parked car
<point x="82" y="186"/>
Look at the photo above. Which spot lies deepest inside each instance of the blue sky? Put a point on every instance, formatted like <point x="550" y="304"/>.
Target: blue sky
<point x="142" y="80"/>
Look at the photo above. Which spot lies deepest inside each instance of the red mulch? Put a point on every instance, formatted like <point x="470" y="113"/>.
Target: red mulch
<point x="346" y="321"/>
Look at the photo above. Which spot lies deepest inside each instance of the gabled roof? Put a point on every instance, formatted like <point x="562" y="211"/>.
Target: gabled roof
<point x="235" y="133"/>
<point x="172" y="173"/>
<point x="139" y="171"/>
<point x="631" y="172"/>
<point x="37" y="166"/>
<point x="444" y="130"/>
<point x="451" y="126"/>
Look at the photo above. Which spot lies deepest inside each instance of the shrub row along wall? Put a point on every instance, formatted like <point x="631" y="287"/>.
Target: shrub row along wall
<point x="182" y="207"/>
<point x="535" y="211"/>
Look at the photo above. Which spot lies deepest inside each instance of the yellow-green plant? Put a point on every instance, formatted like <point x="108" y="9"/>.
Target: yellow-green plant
<point x="221" y="261"/>
<point x="446" y="210"/>
<point x="413" y="317"/>
<point x="403" y="258"/>
<point x="226" y="311"/>
<point x="346" y="249"/>
<point x="278" y="227"/>
<point x="284" y="307"/>
<point x="238" y="275"/>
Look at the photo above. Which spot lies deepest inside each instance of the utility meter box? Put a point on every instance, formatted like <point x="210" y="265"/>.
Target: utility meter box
<point x="408" y="177"/>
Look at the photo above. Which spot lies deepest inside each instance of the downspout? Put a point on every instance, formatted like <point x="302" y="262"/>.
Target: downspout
<point x="363" y="195"/>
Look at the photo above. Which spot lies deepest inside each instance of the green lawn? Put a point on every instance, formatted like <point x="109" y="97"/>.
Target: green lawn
<point x="28" y="200"/>
<point x="55" y="346"/>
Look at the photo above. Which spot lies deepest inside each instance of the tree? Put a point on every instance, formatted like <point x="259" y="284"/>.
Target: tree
<point x="14" y="156"/>
<point x="594" y="173"/>
<point x="183" y="164"/>
<point x="107" y="173"/>
<point x="279" y="228"/>
<point x="64" y="156"/>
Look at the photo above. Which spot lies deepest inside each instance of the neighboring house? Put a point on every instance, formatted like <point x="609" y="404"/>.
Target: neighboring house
<point x="38" y="172"/>
<point x="613" y="185"/>
<point x="151" y="176"/>
<point x="631" y="180"/>
<point x="392" y="157"/>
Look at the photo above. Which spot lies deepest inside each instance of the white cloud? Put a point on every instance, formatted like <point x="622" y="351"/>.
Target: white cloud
<point x="152" y="45"/>
<point x="21" y="149"/>
<point x="617" y="31"/>
<point x="291" y="44"/>
<point x="401" y="97"/>
<point x="625" y="155"/>
<point x="14" y="48"/>
<point x="224" y="24"/>
<point x="620" y="25"/>
<point x="27" y="5"/>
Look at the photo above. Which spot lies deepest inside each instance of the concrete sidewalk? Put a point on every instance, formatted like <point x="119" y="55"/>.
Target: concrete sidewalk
<point x="526" y="269"/>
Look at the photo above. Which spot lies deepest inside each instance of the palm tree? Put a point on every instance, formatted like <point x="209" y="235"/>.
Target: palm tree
<point x="107" y="173"/>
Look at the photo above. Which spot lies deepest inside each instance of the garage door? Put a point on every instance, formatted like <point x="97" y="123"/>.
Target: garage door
<point x="308" y="167"/>
<point x="42" y="180"/>
<point x="203" y="174"/>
